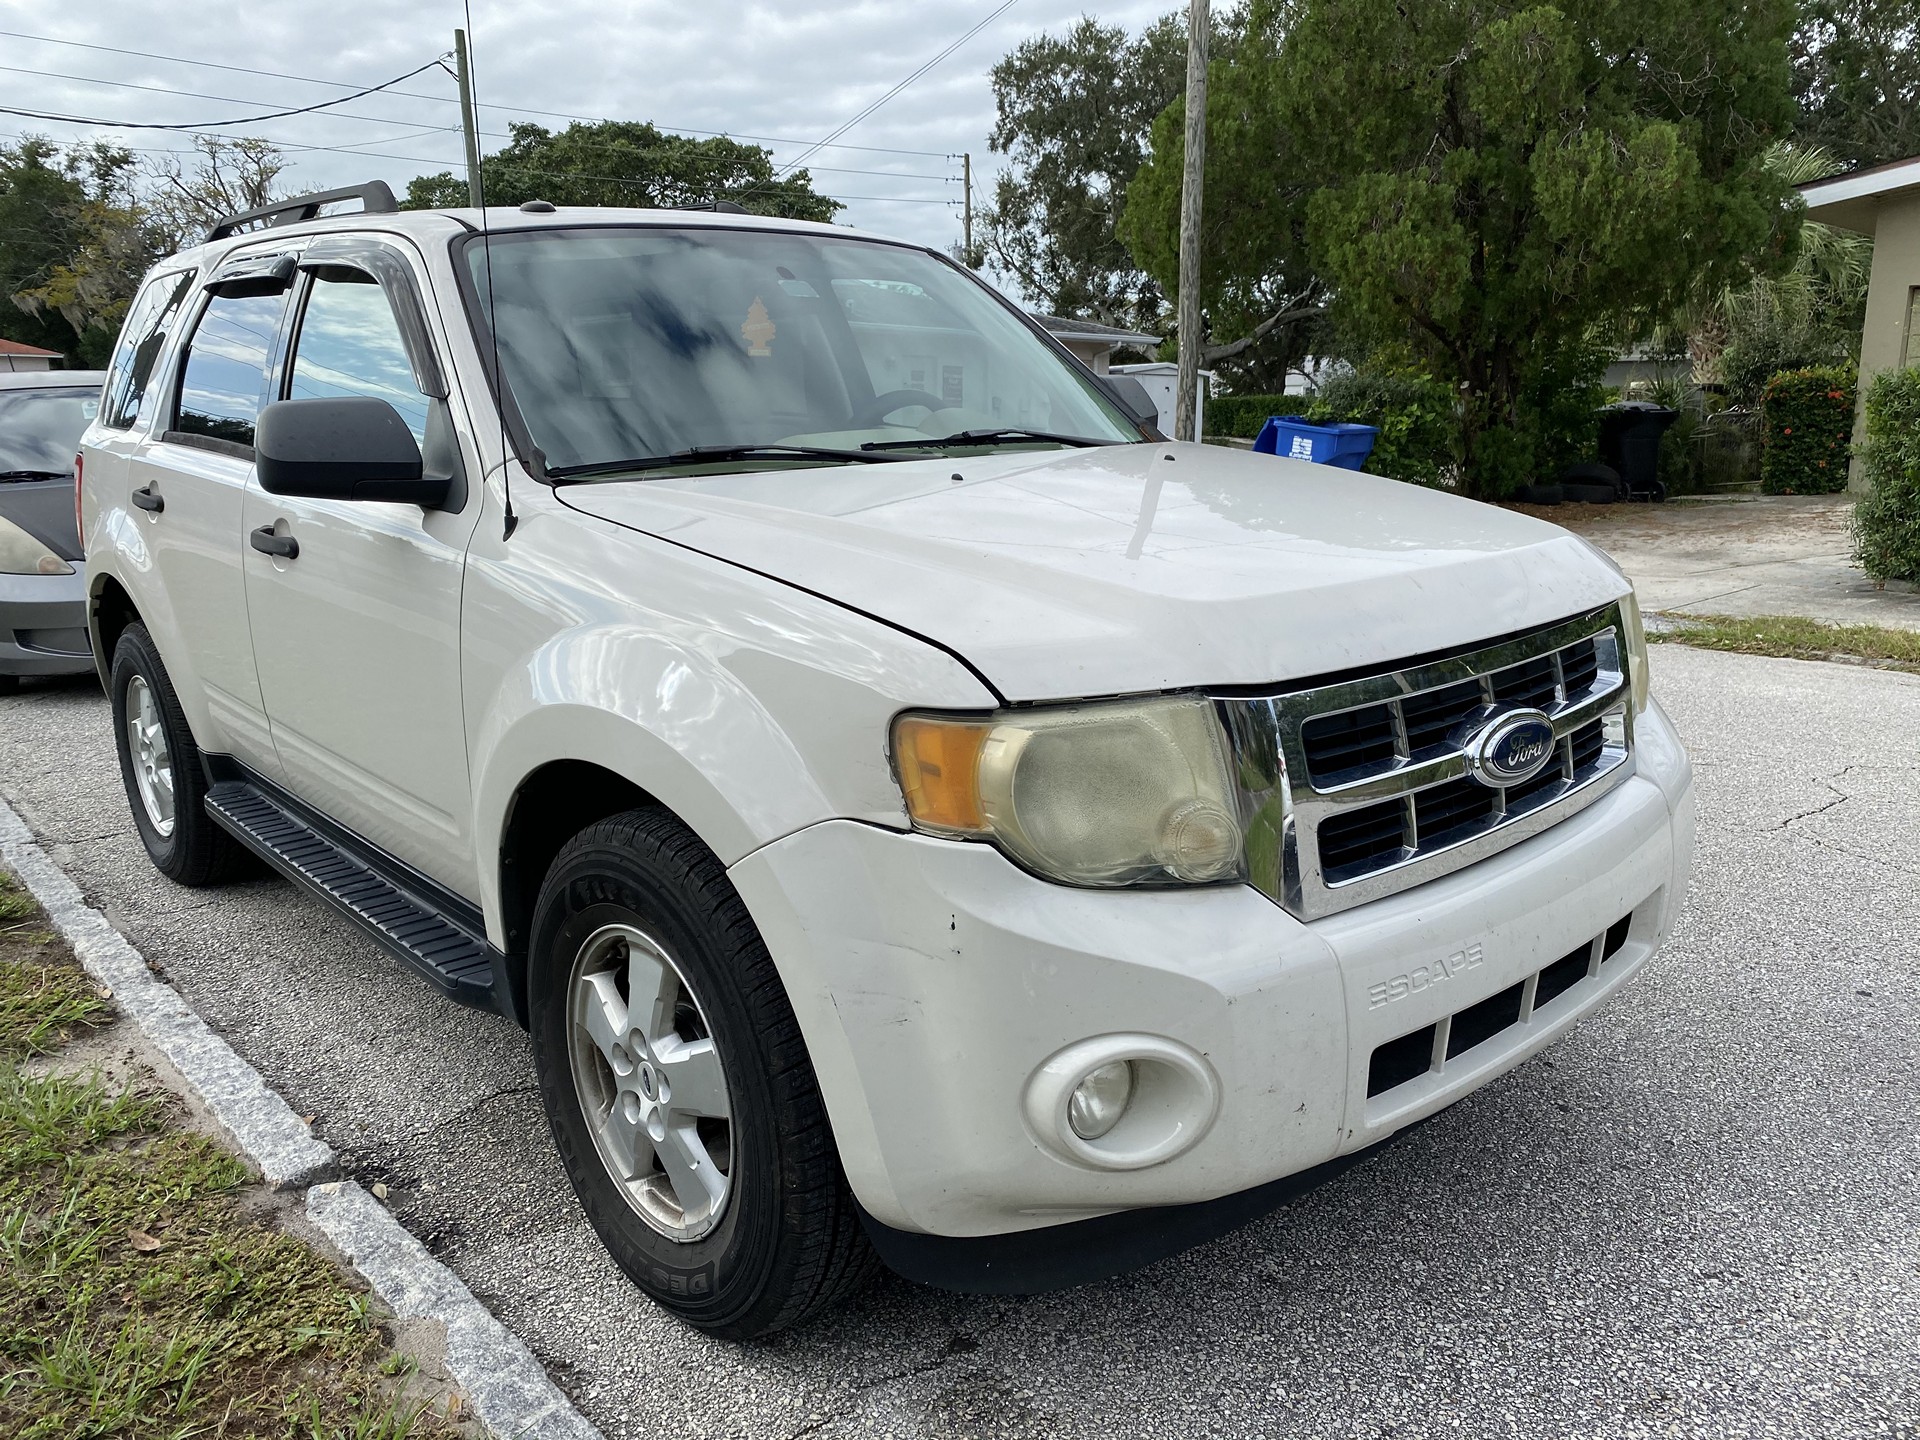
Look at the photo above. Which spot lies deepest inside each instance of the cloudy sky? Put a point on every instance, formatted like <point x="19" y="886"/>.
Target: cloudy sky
<point x="788" y="74"/>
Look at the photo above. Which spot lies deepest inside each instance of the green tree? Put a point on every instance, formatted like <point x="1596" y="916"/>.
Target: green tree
<point x="74" y="242"/>
<point x="1512" y="187"/>
<point x="628" y="163"/>
<point x="1856" y="73"/>
<point x="230" y="174"/>
<point x="1264" y="303"/>
<point x="1073" y="116"/>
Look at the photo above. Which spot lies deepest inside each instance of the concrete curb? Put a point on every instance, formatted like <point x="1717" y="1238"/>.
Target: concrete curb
<point x="261" y="1123"/>
<point x="496" y="1372"/>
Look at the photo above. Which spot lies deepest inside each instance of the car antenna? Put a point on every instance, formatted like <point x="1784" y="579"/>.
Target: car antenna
<point x="476" y="195"/>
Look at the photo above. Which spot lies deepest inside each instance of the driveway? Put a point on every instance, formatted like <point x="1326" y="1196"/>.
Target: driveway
<point x="1698" y="1216"/>
<point x="1744" y="555"/>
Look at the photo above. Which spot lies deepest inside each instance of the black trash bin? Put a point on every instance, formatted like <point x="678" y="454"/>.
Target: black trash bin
<point x="1630" y="434"/>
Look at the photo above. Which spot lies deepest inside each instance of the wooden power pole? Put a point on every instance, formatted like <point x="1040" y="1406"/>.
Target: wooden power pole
<point x="966" y="208"/>
<point x="476" y="197"/>
<point x="1192" y="177"/>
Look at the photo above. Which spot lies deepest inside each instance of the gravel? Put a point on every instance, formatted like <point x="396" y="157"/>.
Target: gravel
<point x="1697" y="1216"/>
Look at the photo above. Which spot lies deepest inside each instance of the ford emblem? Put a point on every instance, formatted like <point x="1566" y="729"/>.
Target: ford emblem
<point x="1511" y="748"/>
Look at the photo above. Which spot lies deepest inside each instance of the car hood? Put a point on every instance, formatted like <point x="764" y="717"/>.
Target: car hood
<point x="1062" y="574"/>
<point x="44" y="509"/>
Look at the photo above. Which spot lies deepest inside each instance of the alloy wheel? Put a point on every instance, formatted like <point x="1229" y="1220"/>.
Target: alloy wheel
<point x="650" y="1081"/>
<point x="152" y="756"/>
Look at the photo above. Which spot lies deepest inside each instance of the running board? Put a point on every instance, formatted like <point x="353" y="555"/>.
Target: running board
<point x="406" y="925"/>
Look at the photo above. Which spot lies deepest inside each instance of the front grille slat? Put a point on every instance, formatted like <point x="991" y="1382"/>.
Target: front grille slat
<point x="1363" y="779"/>
<point x="1411" y="1057"/>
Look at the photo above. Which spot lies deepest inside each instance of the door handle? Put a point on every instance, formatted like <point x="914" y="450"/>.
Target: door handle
<point x="268" y="543"/>
<point x="147" y="500"/>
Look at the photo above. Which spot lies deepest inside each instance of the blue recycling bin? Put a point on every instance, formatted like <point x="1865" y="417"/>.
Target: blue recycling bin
<point x="1345" y="445"/>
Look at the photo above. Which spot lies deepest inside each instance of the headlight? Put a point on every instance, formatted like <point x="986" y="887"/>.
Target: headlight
<point x="1637" y="676"/>
<point x="1122" y="793"/>
<point x="21" y="554"/>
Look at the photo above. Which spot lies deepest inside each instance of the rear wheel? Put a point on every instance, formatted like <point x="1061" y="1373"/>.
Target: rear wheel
<point x="160" y="766"/>
<point x="678" y="1087"/>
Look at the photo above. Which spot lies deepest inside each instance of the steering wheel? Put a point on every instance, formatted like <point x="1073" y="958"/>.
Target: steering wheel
<point x="881" y="406"/>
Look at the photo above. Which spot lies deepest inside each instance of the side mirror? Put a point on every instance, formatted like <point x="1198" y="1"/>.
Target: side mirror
<point x="1134" y="399"/>
<point x="351" y="448"/>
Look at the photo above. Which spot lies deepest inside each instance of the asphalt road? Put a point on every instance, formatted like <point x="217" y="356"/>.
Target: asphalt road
<point x="1697" y="1216"/>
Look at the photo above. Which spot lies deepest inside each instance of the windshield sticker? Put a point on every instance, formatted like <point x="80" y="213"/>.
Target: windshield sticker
<point x="800" y="289"/>
<point x="90" y="408"/>
<point x="759" y="329"/>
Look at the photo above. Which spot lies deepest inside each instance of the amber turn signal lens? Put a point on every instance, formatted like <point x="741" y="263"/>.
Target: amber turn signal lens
<point x="939" y="764"/>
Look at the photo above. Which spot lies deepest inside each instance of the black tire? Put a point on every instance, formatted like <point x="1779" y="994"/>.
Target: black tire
<point x="195" y="851"/>
<point x="787" y="1241"/>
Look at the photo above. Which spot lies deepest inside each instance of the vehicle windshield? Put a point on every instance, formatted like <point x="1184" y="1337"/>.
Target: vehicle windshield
<point x="635" y="344"/>
<point x="40" y="430"/>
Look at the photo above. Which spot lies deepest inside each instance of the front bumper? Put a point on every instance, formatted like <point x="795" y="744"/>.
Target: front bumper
<point x="43" y="625"/>
<point x="934" y="980"/>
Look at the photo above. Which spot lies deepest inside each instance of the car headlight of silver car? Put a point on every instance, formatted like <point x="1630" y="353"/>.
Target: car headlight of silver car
<point x="1134" y="792"/>
<point x="21" y="554"/>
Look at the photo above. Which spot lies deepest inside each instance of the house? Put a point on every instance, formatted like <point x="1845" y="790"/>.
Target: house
<point x="14" y="356"/>
<point x="1094" y="344"/>
<point x="1883" y="202"/>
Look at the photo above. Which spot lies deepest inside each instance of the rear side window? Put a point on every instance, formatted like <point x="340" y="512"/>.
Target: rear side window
<point x="154" y="314"/>
<point x="224" y="377"/>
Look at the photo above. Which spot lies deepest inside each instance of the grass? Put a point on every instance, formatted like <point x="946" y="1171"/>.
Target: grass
<point x="1796" y="637"/>
<point x="138" y="1297"/>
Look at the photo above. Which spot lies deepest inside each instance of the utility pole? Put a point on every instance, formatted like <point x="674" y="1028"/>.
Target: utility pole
<point x="1187" y="397"/>
<point x="966" y="209"/>
<point x="468" y="124"/>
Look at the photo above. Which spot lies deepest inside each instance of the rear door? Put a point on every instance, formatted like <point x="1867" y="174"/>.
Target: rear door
<point x="357" y="637"/>
<point x="188" y="484"/>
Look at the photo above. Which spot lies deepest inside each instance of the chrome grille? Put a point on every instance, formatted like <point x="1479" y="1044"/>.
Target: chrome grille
<point x="1361" y="788"/>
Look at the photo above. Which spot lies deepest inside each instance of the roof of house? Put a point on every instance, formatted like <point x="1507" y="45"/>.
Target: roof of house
<point x="1852" y="201"/>
<point x="14" y="347"/>
<point x="1061" y="328"/>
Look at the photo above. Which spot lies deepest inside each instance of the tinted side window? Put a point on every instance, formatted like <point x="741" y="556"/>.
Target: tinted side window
<point x="350" y="345"/>
<point x="225" y="370"/>
<point x="154" y="314"/>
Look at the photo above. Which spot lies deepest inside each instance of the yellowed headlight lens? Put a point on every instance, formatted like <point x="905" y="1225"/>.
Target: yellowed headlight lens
<point x="1638" y="678"/>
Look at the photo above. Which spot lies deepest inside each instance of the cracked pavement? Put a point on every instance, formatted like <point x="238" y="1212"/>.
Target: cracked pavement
<point x="1697" y="1216"/>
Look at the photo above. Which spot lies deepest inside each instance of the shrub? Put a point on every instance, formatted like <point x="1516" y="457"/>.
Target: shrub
<point x="1418" y="420"/>
<point x="1807" y="417"/>
<point x="1886" y="522"/>
<point x="1243" y="415"/>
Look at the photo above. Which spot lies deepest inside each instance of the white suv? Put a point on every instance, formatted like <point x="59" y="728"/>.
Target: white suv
<point x="915" y="810"/>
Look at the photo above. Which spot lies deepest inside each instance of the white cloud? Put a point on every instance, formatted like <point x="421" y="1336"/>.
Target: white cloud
<point x="790" y="71"/>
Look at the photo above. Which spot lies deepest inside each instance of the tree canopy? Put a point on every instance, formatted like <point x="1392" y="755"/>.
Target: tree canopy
<point x="1074" y="112"/>
<point x="628" y="163"/>
<point x="1857" y="77"/>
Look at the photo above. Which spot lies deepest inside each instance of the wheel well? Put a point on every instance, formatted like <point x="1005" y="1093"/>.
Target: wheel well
<point x="550" y="807"/>
<point x="112" y="612"/>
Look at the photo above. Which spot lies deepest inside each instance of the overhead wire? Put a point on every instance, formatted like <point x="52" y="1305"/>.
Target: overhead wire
<point x="215" y="124"/>
<point x="516" y="109"/>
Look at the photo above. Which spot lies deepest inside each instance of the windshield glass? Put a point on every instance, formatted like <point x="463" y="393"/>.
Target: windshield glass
<point x="626" y="344"/>
<point x="40" y="429"/>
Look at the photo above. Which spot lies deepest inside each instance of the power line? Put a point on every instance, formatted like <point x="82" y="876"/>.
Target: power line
<point x="210" y="124"/>
<point x="201" y="95"/>
<point x="516" y="109"/>
<point x="835" y="135"/>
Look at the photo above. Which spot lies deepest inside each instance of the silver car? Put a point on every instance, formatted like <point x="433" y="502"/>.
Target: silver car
<point x="43" y="613"/>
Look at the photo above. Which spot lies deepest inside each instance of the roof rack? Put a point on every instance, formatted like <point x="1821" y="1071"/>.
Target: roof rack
<point x="375" y="197"/>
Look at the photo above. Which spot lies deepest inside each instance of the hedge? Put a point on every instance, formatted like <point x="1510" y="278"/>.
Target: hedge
<point x="1243" y="415"/>
<point x="1418" y="420"/>
<point x="1807" y="424"/>
<point x="1886" y="522"/>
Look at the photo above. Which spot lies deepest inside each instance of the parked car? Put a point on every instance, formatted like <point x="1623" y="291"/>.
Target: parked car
<point x="915" y="810"/>
<point x="43" y="608"/>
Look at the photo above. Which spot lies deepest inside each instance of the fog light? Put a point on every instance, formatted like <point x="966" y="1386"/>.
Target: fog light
<point x="1100" y="1100"/>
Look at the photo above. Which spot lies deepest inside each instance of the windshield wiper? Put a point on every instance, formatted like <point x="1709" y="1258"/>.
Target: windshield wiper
<point x="35" y="474"/>
<point x="985" y="437"/>
<point x="703" y="454"/>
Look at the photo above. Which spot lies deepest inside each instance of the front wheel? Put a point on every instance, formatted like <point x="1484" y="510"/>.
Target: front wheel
<point x="678" y="1088"/>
